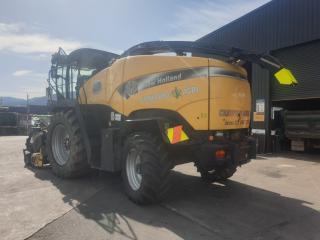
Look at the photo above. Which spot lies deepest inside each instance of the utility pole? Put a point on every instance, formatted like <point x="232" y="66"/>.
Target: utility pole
<point x="28" y="112"/>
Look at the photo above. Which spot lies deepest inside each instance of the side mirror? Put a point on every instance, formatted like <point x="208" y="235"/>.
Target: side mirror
<point x="285" y="77"/>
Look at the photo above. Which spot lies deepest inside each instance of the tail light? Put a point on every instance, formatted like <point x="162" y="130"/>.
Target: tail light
<point x="220" y="154"/>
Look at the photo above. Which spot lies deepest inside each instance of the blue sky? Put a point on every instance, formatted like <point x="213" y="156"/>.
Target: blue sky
<point x="31" y="30"/>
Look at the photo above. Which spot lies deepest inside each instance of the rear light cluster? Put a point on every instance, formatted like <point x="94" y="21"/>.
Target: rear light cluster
<point x="220" y="154"/>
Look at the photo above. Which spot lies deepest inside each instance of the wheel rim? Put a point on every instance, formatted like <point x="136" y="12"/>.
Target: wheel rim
<point x="61" y="144"/>
<point x="133" y="168"/>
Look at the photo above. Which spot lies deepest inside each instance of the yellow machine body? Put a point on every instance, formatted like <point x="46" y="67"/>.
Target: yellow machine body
<point x="145" y="111"/>
<point x="209" y="94"/>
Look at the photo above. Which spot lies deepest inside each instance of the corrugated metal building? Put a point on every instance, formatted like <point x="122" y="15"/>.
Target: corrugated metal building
<point x="290" y="30"/>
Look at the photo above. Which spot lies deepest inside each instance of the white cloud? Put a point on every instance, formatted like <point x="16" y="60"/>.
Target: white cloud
<point x="14" y="38"/>
<point x="29" y="73"/>
<point x="20" y="73"/>
<point x="11" y="27"/>
<point x="203" y="17"/>
<point x="24" y="81"/>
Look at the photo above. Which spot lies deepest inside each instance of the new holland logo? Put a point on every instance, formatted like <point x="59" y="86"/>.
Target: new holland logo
<point x="176" y="93"/>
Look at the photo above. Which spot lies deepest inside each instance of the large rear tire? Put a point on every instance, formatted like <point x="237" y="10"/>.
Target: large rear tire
<point x="146" y="168"/>
<point x="65" y="146"/>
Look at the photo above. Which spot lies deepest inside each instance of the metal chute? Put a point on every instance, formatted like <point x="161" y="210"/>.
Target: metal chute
<point x="231" y="54"/>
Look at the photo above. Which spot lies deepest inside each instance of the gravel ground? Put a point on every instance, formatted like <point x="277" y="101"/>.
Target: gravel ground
<point x="273" y="197"/>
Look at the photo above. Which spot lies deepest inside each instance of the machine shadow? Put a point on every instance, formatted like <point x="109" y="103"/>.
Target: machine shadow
<point x="193" y="210"/>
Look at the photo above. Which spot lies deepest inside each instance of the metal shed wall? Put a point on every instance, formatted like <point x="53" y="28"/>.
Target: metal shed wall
<point x="277" y="24"/>
<point x="304" y="61"/>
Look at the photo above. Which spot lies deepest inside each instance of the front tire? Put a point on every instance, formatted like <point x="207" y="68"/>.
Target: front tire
<point x="146" y="168"/>
<point x="65" y="146"/>
<point x="35" y="143"/>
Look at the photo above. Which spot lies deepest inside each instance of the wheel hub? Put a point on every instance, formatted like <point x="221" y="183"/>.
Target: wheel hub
<point x="61" y="144"/>
<point x="133" y="169"/>
<point x="67" y="143"/>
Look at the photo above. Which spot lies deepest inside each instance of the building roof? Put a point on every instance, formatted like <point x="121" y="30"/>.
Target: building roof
<point x="275" y="25"/>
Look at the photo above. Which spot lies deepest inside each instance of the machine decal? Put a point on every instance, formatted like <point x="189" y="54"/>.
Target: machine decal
<point x="230" y="113"/>
<point x="96" y="88"/>
<point x="176" y="93"/>
<point x="136" y="85"/>
<point x="115" y="116"/>
<point x="234" y="117"/>
<point x="176" y="134"/>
